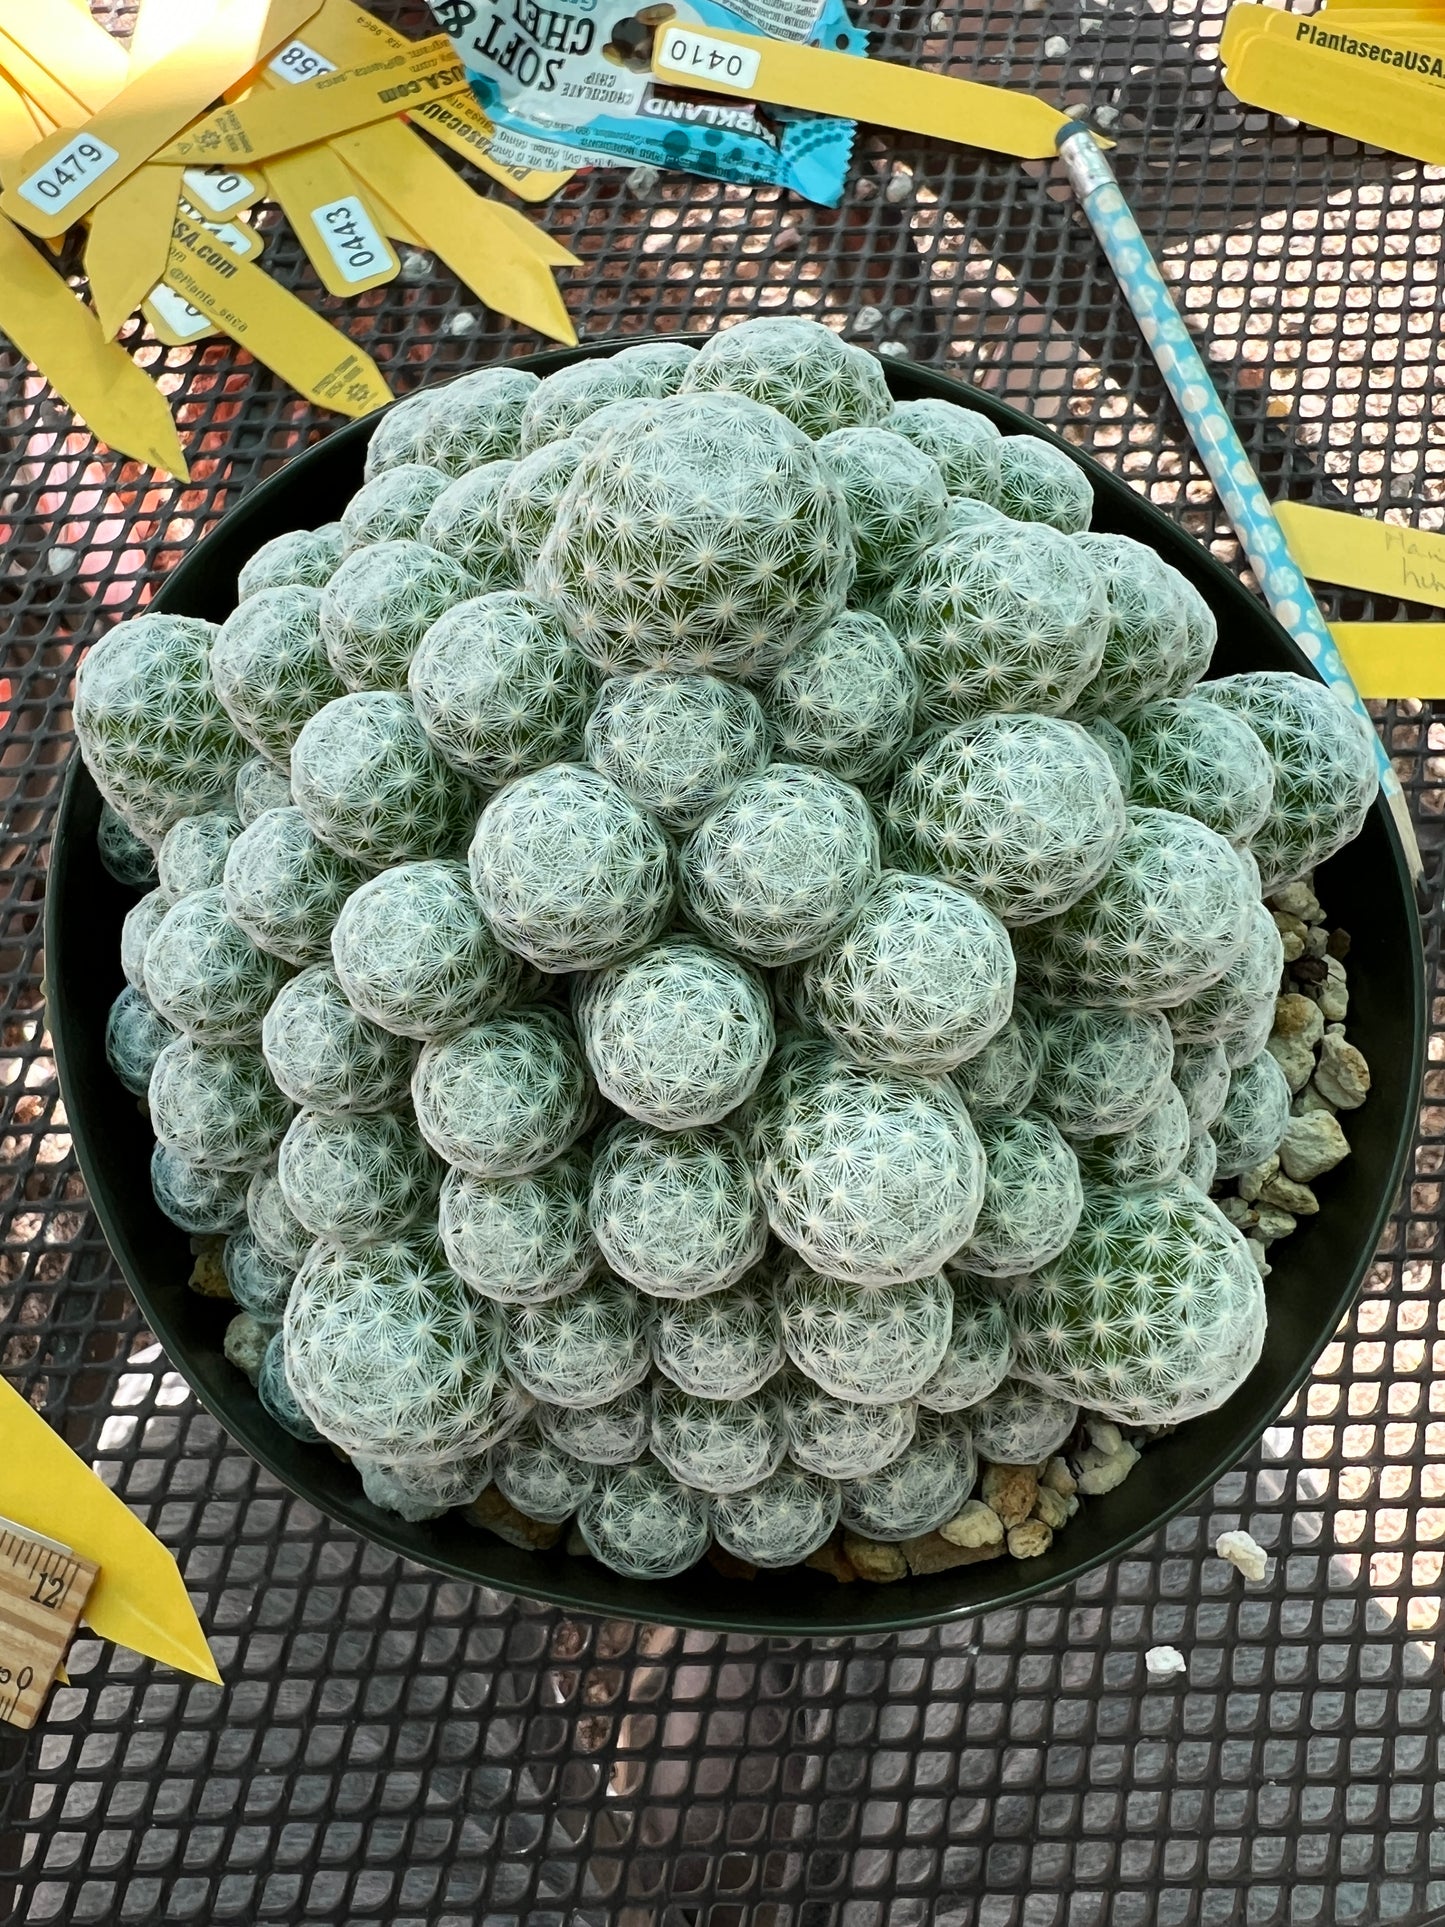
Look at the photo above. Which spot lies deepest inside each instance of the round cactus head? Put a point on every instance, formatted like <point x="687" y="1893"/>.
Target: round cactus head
<point x="999" y="618"/>
<point x="477" y="419"/>
<point x="126" y="856"/>
<point x="527" y="500"/>
<point x="1023" y="812"/>
<point x="841" y="1438"/>
<point x="1019" y="1424"/>
<point x="1101" y="1070"/>
<point x="1254" y="1117"/>
<point x="260" y="786"/>
<point x="1147" y="654"/>
<point x="379" y="605"/>
<point x="204" y="974"/>
<point x="1151" y="1152"/>
<point x="521" y="1240"/>
<point x="779" y="1521"/>
<point x="706" y="535"/>
<point x="571" y="394"/>
<point x="921" y="1489"/>
<point x="326" y="1055"/>
<point x="260" y="1284"/>
<point x="1153" y="1314"/>
<point x="192" y="855"/>
<point x="356" y="1179"/>
<point x="419" y="1489"/>
<point x="612" y="1433"/>
<point x="500" y="687"/>
<point x="723" y="1345"/>
<point x="1200" y="760"/>
<point x="876" y="1346"/>
<point x="368" y="781"/>
<point x="964" y="444"/>
<point x="1228" y="1008"/>
<point x="391" y="507"/>
<point x="415" y="955"/>
<point x="137" y="927"/>
<point x="207" y="1203"/>
<point x="216" y="1105"/>
<point x="919" y="981"/>
<point x="151" y="726"/>
<point x="506" y="1096"/>
<point x="661" y="364"/>
<point x="401" y="434"/>
<point x="845" y="700"/>
<point x="273" y="1388"/>
<point x="135" y="1036"/>
<point x="804" y="370"/>
<point x="580" y="1350"/>
<point x="780" y="864"/>
<point x="1166" y="919"/>
<point x="676" y="1213"/>
<point x="1002" y="1076"/>
<point x="676" y="743"/>
<point x="539" y="1478"/>
<point x="285" y="889"/>
<point x="1201" y="1076"/>
<point x="677" y="1036"/>
<point x="1201" y="1163"/>
<point x="1324" y="768"/>
<point x="465" y="523"/>
<point x="872" y="1177"/>
<point x="896" y="495"/>
<point x="278" y="1231"/>
<point x="1038" y="482"/>
<point x="716" y="1444"/>
<point x="612" y="414"/>
<point x="1032" y="1197"/>
<point x="299" y="559"/>
<point x="570" y="873"/>
<point x="979" y="1350"/>
<point x="270" y="667"/>
<point x="391" y="1357"/>
<point x="639" y="1521"/>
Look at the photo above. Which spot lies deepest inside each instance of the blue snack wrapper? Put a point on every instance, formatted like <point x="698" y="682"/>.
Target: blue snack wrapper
<point x="569" y="84"/>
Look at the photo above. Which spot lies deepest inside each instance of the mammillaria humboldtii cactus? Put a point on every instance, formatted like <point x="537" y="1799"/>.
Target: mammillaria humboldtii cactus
<point x="135" y="1036"/>
<point x="704" y="536"/>
<point x="285" y="889"/>
<point x="506" y="1096"/>
<point x="524" y="1239"/>
<point x="1228" y="1007"/>
<point x="1023" y="812"/>
<point x="271" y="669"/>
<point x="570" y="873"/>
<point x="192" y="855"/>
<point x="583" y="1349"/>
<point x="1147" y="654"/>
<point x="723" y="1345"/>
<point x="678" y="1035"/>
<point x="1019" y="1424"/>
<point x="260" y="1284"/>
<point x="1038" y="482"/>
<point x="299" y="559"/>
<point x="391" y="507"/>
<point x="540" y="1478"/>
<point x="870" y="1176"/>
<point x="569" y="395"/>
<point x="215" y="1105"/>
<point x="1154" y="1314"/>
<point x="419" y="1489"/>
<point x="478" y="419"/>
<point x="527" y="500"/>
<point x="1102" y="1070"/>
<point x="1324" y="768"/>
<point x="1201" y="760"/>
<point x="150" y="723"/>
<point x="379" y="605"/>
<point x="780" y="864"/>
<point x="1150" y="1152"/>
<point x="1254" y="1117"/>
<point x="876" y="1346"/>
<point x="500" y="687"/>
<point x="371" y="785"/>
<point x="611" y="1433"/>
<point x="845" y="701"/>
<point x="205" y="1202"/>
<point x="979" y="1347"/>
<point x="356" y="1180"/>
<point x="676" y="1213"/>
<point x="465" y="523"/>
<point x="277" y="1229"/>
<point x="127" y="857"/>
<point x="1032" y="1197"/>
<point x="401" y="433"/>
<point x="1201" y="1076"/>
<point x="1006" y="619"/>
<point x="204" y="974"/>
<point x="140" y="922"/>
<point x="1002" y="1077"/>
<point x="804" y="370"/>
<point x="260" y="786"/>
<point x="324" y="1054"/>
<point x="896" y="495"/>
<point x="273" y="1388"/>
<point x="780" y="1520"/>
<point x="842" y="1438"/>
<point x="919" y="981"/>
<point x="1201" y="1163"/>
<point x="638" y="1520"/>
<point x="916" y="1492"/>
<point x="964" y="443"/>
<point x="716" y="1444"/>
<point x="676" y="743"/>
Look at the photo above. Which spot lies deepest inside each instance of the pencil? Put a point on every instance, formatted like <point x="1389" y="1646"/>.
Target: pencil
<point x="1220" y="449"/>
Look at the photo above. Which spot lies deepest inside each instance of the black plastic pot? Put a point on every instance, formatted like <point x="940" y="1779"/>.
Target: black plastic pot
<point x="1317" y="1272"/>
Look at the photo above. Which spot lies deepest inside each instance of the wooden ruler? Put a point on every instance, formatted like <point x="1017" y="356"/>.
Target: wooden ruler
<point x="43" y="1590"/>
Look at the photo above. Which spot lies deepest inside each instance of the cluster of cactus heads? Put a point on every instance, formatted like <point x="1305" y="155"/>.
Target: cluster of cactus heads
<point x="702" y="948"/>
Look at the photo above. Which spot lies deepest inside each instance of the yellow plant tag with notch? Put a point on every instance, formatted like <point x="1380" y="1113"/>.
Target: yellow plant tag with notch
<point x="220" y="191"/>
<point x="784" y="74"/>
<point x="119" y="402"/>
<point x="1361" y="552"/>
<point x="497" y="253"/>
<point x="1394" y="658"/>
<point x="172" y="319"/>
<point x="333" y="219"/>
<point x="260" y="315"/>
<point x="64" y="176"/>
<point x="274" y="122"/>
<point x="130" y="236"/>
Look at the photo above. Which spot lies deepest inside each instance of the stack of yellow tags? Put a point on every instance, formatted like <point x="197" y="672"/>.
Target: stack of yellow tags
<point x="1369" y="70"/>
<point x="325" y="106"/>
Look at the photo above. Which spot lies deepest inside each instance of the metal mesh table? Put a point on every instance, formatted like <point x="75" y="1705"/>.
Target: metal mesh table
<point x="391" y="1749"/>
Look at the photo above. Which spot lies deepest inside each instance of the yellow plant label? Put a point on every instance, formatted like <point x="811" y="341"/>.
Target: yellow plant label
<point x="74" y="48"/>
<point x="822" y="82"/>
<point x="218" y="191"/>
<point x="1359" y="552"/>
<point x="17" y="130"/>
<point x="297" y="62"/>
<point x="173" y="320"/>
<point x="268" y="122"/>
<point x="1394" y="658"/>
<point x="284" y="333"/>
<point x="57" y="103"/>
<point x="63" y="176"/>
<point x="130" y="236"/>
<point x="95" y="377"/>
<point x="333" y="220"/>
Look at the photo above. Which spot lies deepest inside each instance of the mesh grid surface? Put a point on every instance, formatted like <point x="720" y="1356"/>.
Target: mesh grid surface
<point x="392" y="1749"/>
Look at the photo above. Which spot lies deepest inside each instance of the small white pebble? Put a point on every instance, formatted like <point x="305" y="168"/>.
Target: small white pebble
<point x="1163" y="1662"/>
<point x="1106" y="116"/>
<point x="939" y="22"/>
<point x="868" y="321"/>
<point x="892" y="348"/>
<point x="462" y="323"/>
<point x="60" y="561"/>
<point x="1241" y="1549"/>
<point x="899" y="187"/>
<point x="900" y="317"/>
<point x="1055" y="47"/>
<point x="415" y="266"/>
<point x="641" y="181"/>
<point x="1088" y="26"/>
